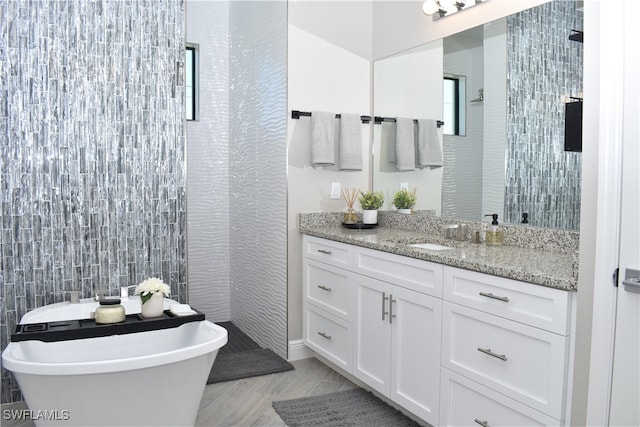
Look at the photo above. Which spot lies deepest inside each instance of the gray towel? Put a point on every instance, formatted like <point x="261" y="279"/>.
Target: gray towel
<point x="322" y="138"/>
<point x="428" y="142"/>
<point x="405" y="144"/>
<point x="388" y="139"/>
<point x="350" y="144"/>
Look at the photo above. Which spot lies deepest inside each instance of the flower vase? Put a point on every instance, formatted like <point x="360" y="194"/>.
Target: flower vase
<point x="370" y="216"/>
<point x="154" y="306"/>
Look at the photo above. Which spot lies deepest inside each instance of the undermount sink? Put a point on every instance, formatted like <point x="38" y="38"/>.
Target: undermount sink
<point x="430" y="246"/>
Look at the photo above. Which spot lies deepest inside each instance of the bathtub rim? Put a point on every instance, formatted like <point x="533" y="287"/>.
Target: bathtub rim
<point x="13" y="356"/>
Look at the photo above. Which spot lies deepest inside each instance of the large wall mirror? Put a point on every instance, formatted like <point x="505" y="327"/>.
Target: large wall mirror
<point x="518" y="74"/>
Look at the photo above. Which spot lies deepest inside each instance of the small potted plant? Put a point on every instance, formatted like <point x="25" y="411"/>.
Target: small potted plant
<point x="151" y="293"/>
<point x="404" y="200"/>
<point x="370" y="203"/>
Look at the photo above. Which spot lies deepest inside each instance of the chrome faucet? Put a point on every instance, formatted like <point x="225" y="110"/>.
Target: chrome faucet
<point x="100" y="294"/>
<point x="124" y="292"/>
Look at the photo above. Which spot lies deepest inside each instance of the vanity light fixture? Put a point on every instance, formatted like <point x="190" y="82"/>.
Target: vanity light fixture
<point x="442" y="8"/>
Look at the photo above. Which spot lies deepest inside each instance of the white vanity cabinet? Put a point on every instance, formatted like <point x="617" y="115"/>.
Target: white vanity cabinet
<point x="328" y="299"/>
<point x="452" y="346"/>
<point x="505" y="351"/>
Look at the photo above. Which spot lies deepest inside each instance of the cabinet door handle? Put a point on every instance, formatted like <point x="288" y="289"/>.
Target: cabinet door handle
<point x="324" y="335"/>
<point x="324" y="288"/>
<point x="491" y="353"/>
<point x="324" y="251"/>
<point x="492" y="296"/>
<point x="482" y="423"/>
<point x="384" y="298"/>
<point x="391" y="315"/>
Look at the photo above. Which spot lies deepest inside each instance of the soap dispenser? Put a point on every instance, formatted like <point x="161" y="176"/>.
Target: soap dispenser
<point x="494" y="236"/>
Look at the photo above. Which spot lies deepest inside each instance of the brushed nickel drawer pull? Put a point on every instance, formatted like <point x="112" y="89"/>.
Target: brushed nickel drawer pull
<point x="324" y="288"/>
<point x="491" y="353"/>
<point x="384" y="298"/>
<point x="324" y="335"/>
<point x="482" y="423"/>
<point x="324" y="251"/>
<point x="492" y="296"/>
<point x="391" y="315"/>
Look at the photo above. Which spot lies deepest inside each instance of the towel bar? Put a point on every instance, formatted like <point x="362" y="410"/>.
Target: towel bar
<point x="378" y="120"/>
<point x="295" y="114"/>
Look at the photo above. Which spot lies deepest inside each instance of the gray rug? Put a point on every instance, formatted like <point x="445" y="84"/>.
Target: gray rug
<point x="242" y="357"/>
<point x="355" y="407"/>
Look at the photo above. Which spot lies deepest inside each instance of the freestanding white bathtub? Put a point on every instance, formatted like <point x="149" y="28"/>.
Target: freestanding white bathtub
<point x="153" y="378"/>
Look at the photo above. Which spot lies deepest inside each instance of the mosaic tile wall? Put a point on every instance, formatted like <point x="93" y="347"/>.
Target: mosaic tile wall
<point x="92" y="151"/>
<point x="543" y="66"/>
<point x="258" y="170"/>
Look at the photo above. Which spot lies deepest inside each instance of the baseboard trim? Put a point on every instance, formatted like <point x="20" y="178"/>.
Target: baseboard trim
<point x="298" y="351"/>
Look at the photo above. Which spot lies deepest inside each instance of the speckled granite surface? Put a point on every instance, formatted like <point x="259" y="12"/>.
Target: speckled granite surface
<point x="535" y="255"/>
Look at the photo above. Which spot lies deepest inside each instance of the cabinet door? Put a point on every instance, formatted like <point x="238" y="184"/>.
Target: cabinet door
<point x="373" y="333"/>
<point x="415" y="352"/>
<point x="467" y="403"/>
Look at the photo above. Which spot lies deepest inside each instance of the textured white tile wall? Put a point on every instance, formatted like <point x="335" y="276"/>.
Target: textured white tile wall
<point x="208" y="222"/>
<point x="258" y="170"/>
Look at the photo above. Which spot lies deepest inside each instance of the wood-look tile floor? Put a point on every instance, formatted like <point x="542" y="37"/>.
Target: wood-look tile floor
<point x="247" y="402"/>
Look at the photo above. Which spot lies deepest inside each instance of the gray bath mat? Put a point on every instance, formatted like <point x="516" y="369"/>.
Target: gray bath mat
<point x="242" y="357"/>
<point x="355" y="407"/>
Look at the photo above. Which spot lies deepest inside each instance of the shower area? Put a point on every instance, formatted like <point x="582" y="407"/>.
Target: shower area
<point x="104" y="183"/>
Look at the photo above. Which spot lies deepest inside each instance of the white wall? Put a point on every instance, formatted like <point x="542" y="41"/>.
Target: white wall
<point x="405" y="86"/>
<point x="326" y="72"/>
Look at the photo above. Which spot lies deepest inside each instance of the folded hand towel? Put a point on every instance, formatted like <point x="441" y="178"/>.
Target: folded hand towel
<point x="429" y="151"/>
<point x="405" y="144"/>
<point x="350" y="144"/>
<point x="322" y="138"/>
<point x="181" y="309"/>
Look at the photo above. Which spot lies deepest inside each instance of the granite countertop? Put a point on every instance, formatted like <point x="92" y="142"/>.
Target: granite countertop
<point x="547" y="268"/>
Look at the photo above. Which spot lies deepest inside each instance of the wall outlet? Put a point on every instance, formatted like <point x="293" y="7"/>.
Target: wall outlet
<point x="404" y="185"/>
<point x="335" y="190"/>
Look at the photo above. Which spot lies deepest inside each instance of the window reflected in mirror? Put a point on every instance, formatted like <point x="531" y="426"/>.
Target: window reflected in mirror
<point x="453" y="102"/>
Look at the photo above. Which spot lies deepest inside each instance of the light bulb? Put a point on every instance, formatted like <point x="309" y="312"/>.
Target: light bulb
<point x="448" y="5"/>
<point x="429" y="7"/>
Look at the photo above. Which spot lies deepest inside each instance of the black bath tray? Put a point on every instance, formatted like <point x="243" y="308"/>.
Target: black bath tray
<point x="65" y="330"/>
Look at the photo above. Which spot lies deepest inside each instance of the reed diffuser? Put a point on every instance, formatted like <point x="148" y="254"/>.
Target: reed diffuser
<point x="350" y="195"/>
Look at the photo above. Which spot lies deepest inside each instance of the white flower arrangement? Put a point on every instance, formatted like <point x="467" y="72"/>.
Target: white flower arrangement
<point x="152" y="286"/>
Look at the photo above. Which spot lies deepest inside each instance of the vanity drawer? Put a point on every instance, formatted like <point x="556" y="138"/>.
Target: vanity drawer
<point x="329" y="288"/>
<point x="534" y="305"/>
<point x="329" y="336"/>
<point x="327" y="251"/>
<point x="418" y="275"/>
<point x="466" y="403"/>
<point x="525" y="363"/>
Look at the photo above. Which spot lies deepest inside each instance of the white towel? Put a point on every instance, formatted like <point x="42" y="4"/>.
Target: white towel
<point x="322" y="138"/>
<point x="429" y="151"/>
<point x="405" y="144"/>
<point x="181" y="309"/>
<point x="350" y="144"/>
